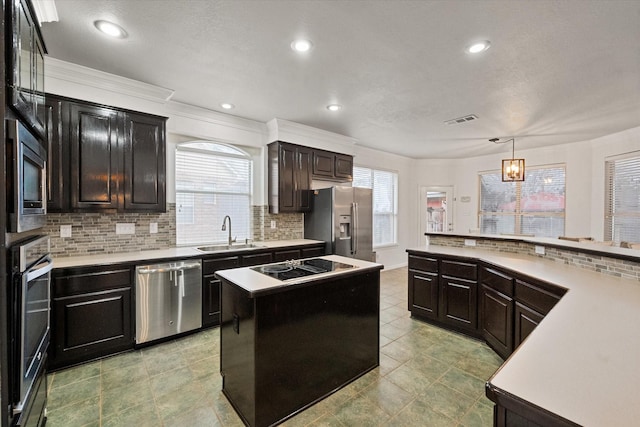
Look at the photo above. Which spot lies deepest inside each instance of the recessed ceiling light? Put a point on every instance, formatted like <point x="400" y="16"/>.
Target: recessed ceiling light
<point x="227" y="106"/>
<point x="111" y="29"/>
<point x="478" y="47"/>
<point x="334" y="107"/>
<point x="301" y="45"/>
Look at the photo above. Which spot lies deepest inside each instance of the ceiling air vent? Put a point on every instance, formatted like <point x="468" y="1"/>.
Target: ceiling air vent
<point x="464" y="119"/>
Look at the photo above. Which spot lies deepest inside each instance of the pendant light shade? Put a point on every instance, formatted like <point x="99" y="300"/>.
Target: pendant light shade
<point x="512" y="169"/>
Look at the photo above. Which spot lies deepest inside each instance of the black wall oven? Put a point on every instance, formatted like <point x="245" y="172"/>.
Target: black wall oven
<point x="29" y="326"/>
<point x="27" y="176"/>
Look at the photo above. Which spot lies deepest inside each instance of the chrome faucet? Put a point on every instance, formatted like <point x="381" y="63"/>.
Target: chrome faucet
<point x="224" y="228"/>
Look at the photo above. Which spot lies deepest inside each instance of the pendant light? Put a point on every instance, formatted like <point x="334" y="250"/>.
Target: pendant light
<point x="512" y="169"/>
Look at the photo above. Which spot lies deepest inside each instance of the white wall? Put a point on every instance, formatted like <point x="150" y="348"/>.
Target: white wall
<point x="584" y="179"/>
<point x="584" y="160"/>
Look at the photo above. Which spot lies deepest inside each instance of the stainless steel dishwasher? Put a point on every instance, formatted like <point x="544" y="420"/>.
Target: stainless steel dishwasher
<point x="168" y="299"/>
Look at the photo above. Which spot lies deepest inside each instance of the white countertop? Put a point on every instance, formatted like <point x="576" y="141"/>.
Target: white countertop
<point x="179" y="252"/>
<point x="594" y="246"/>
<point x="255" y="282"/>
<point x="583" y="361"/>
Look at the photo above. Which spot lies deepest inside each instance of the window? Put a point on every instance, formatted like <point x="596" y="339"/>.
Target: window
<point x="385" y="202"/>
<point x="534" y="207"/>
<point x="622" y="198"/>
<point x="212" y="180"/>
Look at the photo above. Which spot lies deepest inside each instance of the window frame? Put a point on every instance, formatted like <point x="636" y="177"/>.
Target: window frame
<point x="518" y="214"/>
<point x="609" y="197"/>
<point x="239" y="154"/>
<point x="393" y="214"/>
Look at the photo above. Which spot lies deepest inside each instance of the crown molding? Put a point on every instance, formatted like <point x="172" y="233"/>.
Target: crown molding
<point x="74" y="73"/>
<point x="284" y="130"/>
<point x="189" y="111"/>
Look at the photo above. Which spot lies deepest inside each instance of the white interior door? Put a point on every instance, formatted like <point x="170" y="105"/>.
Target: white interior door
<point x="436" y="209"/>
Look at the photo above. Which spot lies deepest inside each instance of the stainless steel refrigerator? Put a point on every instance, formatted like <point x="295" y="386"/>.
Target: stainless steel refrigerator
<point x="343" y="218"/>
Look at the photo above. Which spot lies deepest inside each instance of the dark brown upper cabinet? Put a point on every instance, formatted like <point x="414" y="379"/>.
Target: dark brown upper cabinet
<point x="289" y="177"/>
<point x="57" y="156"/>
<point x="104" y="159"/>
<point x="25" y="70"/>
<point x="94" y="157"/>
<point x="331" y="166"/>
<point x="144" y="163"/>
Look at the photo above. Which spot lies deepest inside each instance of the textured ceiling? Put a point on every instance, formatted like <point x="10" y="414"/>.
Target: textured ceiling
<point x="556" y="72"/>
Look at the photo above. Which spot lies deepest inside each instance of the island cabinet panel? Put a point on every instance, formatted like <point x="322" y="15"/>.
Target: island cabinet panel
<point x="283" y="351"/>
<point x="496" y="309"/>
<point x="512" y="411"/>
<point x="526" y="321"/>
<point x="91" y="314"/>
<point x="459" y="295"/>
<point x="211" y="287"/>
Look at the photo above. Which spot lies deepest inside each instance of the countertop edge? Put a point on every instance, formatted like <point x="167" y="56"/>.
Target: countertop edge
<point x="169" y="253"/>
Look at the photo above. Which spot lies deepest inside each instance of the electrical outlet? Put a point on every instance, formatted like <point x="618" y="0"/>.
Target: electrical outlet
<point x="65" y="231"/>
<point x="540" y="250"/>
<point x="273" y="224"/>
<point x="469" y="242"/>
<point x="153" y="228"/>
<point x="125" y="228"/>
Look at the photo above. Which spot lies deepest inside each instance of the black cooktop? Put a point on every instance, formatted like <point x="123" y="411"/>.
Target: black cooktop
<point x="300" y="268"/>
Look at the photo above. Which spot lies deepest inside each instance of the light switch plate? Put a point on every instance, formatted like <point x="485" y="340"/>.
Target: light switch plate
<point x="153" y="228"/>
<point x="469" y="242"/>
<point x="125" y="228"/>
<point x="65" y="231"/>
<point x="540" y="250"/>
<point x="273" y="224"/>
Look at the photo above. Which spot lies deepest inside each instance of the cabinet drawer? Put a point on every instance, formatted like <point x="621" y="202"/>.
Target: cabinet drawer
<point x="256" y="259"/>
<point x="533" y="296"/>
<point x="286" y="255"/>
<point x="312" y="252"/>
<point x="462" y="270"/>
<point x="497" y="280"/>
<point x="86" y="283"/>
<point x="423" y="264"/>
<point x="210" y="266"/>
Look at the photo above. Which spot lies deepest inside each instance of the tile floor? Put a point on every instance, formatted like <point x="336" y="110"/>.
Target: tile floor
<point x="427" y="377"/>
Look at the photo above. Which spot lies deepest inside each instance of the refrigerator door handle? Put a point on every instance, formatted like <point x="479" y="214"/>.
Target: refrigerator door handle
<point x="354" y="229"/>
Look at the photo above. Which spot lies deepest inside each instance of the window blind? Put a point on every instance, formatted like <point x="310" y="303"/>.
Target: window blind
<point x="385" y="202"/>
<point x="533" y="207"/>
<point x="212" y="180"/>
<point x="622" y="198"/>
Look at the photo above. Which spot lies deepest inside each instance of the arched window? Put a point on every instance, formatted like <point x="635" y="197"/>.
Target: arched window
<point x="212" y="180"/>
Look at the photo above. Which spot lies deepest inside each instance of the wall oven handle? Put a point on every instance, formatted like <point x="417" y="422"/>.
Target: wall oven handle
<point x="40" y="269"/>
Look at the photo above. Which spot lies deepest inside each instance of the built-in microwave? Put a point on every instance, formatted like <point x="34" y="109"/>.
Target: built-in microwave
<point x="27" y="179"/>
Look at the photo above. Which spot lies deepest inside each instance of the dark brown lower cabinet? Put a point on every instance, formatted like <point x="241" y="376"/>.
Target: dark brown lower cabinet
<point x="285" y="255"/>
<point x="312" y="251"/>
<point x="526" y="321"/>
<point x="91" y="315"/>
<point x="423" y="294"/>
<point x="511" y="411"/>
<point x="459" y="303"/>
<point x="211" y="287"/>
<point x="496" y="320"/>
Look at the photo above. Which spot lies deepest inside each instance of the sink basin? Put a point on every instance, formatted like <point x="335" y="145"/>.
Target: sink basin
<point x="218" y="248"/>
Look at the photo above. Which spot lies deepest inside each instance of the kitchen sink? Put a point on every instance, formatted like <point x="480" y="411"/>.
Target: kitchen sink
<point x="218" y="248"/>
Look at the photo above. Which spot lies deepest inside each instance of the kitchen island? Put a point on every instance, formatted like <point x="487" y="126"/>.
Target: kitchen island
<point x="286" y="343"/>
<point x="578" y="366"/>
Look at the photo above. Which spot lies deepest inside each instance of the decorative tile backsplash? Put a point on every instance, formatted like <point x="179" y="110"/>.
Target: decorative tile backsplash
<point x="602" y="264"/>
<point x="95" y="233"/>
